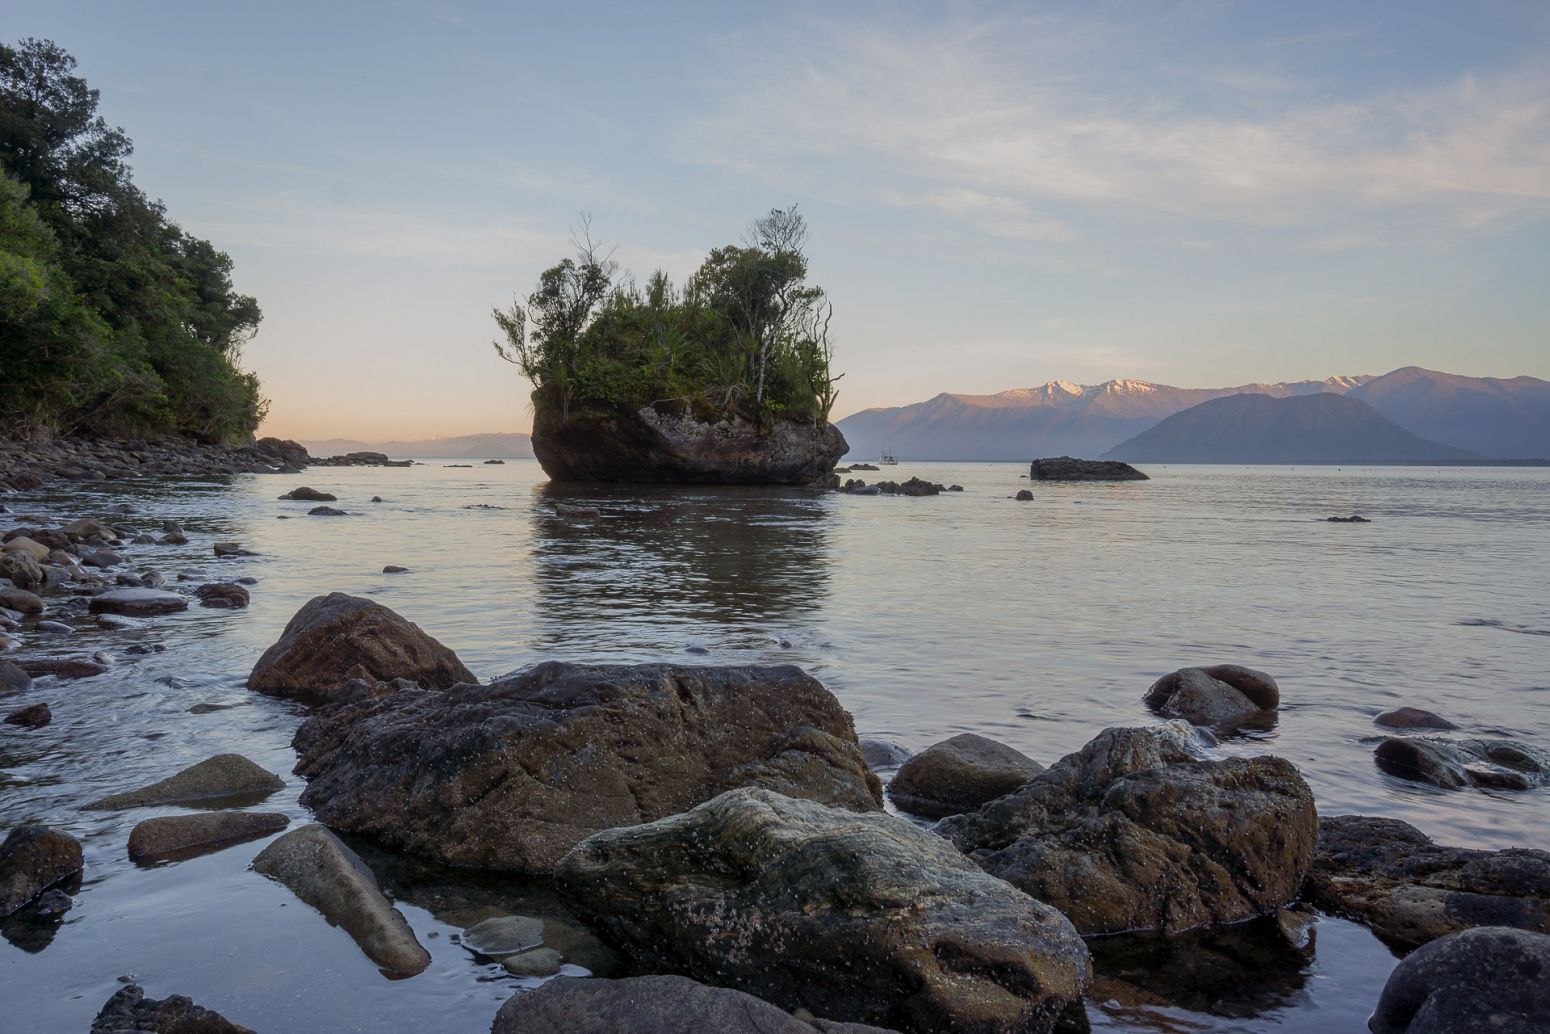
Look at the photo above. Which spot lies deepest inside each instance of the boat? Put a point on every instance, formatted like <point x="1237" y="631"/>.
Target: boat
<point x="887" y="460"/>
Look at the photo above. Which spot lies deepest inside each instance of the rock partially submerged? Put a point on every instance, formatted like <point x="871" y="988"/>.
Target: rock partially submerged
<point x="1391" y="877"/>
<point x="649" y="446"/>
<point x="323" y="872"/>
<point x="1222" y="696"/>
<point x="1412" y="718"/>
<point x="13" y="679"/>
<point x="1138" y="831"/>
<point x="1065" y="468"/>
<point x="130" y="1012"/>
<point x="310" y="495"/>
<point x="336" y="638"/>
<point x="224" y="776"/>
<point x="60" y="667"/>
<point x="171" y="835"/>
<point x="959" y="775"/>
<point x="35" y="716"/>
<point x="1489" y="980"/>
<point x="223" y="595"/>
<point x="651" y="1005"/>
<point x="1456" y="764"/>
<point x="33" y="859"/>
<point x="138" y="602"/>
<point x="859" y="917"/>
<point x="514" y="774"/>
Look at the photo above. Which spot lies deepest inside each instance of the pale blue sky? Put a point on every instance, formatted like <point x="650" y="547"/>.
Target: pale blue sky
<point x="1000" y="195"/>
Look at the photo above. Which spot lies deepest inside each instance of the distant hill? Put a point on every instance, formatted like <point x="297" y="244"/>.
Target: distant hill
<point x="1057" y="419"/>
<point x="1502" y="419"/>
<point x="499" y="445"/>
<point x="1322" y="428"/>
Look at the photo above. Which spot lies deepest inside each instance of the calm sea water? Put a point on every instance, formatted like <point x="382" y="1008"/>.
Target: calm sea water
<point x="1038" y="624"/>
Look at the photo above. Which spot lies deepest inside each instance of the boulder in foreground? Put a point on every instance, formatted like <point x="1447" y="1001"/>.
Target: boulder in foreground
<point x="221" y="777"/>
<point x="1138" y="831"/>
<point x="33" y="859"/>
<point x="651" y="1005"/>
<point x="336" y="638"/>
<point x="860" y="917"/>
<point x="514" y="774"/>
<point x="323" y="872"/>
<point x="1389" y="876"/>
<point x="130" y="1012"/>
<point x="959" y="775"/>
<point x="1489" y="980"/>
<point x="1065" y="468"/>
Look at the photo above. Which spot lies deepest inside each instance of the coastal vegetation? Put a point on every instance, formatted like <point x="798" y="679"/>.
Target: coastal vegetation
<point x="113" y="320"/>
<point x="745" y="337"/>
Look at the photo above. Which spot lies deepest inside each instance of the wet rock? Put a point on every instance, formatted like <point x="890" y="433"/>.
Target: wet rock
<point x="376" y="499"/>
<point x="1137" y="831"/>
<point x="1412" y="718"/>
<point x="762" y="892"/>
<point x="881" y="753"/>
<point x="1023" y="496"/>
<point x="1455" y="764"/>
<point x="101" y="559"/>
<point x="540" y="962"/>
<point x="13" y="679"/>
<point x="1390" y="876"/>
<point x="1353" y="519"/>
<point x="224" y="549"/>
<point x="21" y="568"/>
<point x="52" y="903"/>
<point x="1489" y="980"/>
<point x="215" y="778"/>
<point x="130" y="1012"/>
<point x="60" y="667"/>
<point x="326" y="511"/>
<point x="310" y="495"/>
<point x="336" y="638"/>
<point x="1221" y="695"/>
<point x="138" y="603"/>
<point x="174" y="538"/>
<point x="29" y="547"/>
<point x="1064" y="468"/>
<point x="33" y="859"/>
<point x="514" y="774"/>
<point x="394" y="569"/>
<point x="54" y="627"/>
<point x="20" y="600"/>
<point x="959" y="775"/>
<point x="222" y="596"/>
<point x="571" y="511"/>
<point x="651" y="1005"/>
<point x="504" y="935"/>
<point x="34" y="717"/>
<point x="323" y="872"/>
<point x="180" y="834"/>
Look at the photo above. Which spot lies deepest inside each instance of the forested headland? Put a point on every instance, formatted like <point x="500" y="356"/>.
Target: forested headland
<point x="113" y="320"/>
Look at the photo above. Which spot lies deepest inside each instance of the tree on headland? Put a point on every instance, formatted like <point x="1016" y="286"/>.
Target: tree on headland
<point x="113" y="320"/>
<point x="747" y="336"/>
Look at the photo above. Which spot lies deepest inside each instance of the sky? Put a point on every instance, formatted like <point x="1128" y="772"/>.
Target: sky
<point x="1194" y="193"/>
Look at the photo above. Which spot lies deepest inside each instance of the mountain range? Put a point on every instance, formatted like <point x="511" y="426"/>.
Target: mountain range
<point x="1499" y="419"/>
<point x="497" y="445"/>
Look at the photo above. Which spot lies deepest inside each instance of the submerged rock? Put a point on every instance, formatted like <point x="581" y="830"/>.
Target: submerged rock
<point x="1064" y="468"/>
<point x="1412" y="718"/>
<point x="651" y="1005"/>
<point x="859" y="917"/>
<point x="326" y="511"/>
<point x="33" y="859"/>
<point x="323" y="872"/>
<point x="1221" y="695"/>
<point x="138" y="602"/>
<point x="649" y="446"/>
<point x="959" y="775"/>
<point x="1137" y="831"/>
<point x="1489" y="980"/>
<point x="177" y="834"/>
<point x="130" y="1012"/>
<point x="33" y="717"/>
<point x="336" y="638"/>
<point x="514" y="774"/>
<point x="1391" y="877"/>
<point x="882" y="753"/>
<point x="504" y="935"/>
<point x="1455" y="764"/>
<point x="215" y="778"/>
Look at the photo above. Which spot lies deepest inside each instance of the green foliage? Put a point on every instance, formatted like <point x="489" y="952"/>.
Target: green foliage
<point x="112" y="320"/>
<point x="747" y="336"/>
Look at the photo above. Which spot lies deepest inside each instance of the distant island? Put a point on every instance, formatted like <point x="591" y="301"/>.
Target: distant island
<point x="509" y="445"/>
<point x="1323" y="428"/>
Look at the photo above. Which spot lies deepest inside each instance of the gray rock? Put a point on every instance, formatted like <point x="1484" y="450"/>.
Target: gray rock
<point x="20" y="600"/>
<point x="881" y="753"/>
<point x="1455" y="764"/>
<point x="336" y="638"/>
<point x="861" y="917"/>
<point x="215" y="778"/>
<point x="33" y="859"/>
<point x="13" y="679"/>
<point x="225" y="549"/>
<point x="326" y="511"/>
<point x="1391" y="877"/>
<point x="130" y="1012"/>
<point x="1138" y="831"/>
<point x="174" y="538"/>
<point x="61" y="667"/>
<point x="540" y="962"/>
<point x="504" y="935"/>
<point x="25" y="544"/>
<point x="959" y="775"/>
<point x="1064" y="468"/>
<point x="1489" y="980"/>
<point x="1412" y="718"/>
<point x="222" y="596"/>
<point x="186" y="834"/>
<point x="515" y="774"/>
<point x="138" y="602"/>
<point x="21" y="568"/>
<point x="323" y="872"/>
<point x="54" y="627"/>
<point x="651" y="1005"/>
<point x="1222" y="695"/>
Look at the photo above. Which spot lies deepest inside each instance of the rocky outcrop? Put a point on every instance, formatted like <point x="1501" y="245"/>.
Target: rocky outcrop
<point x="959" y="775"/>
<point x="1391" y="877"/>
<point x="1222" y="696"/>
<point x="171" y="835"/>
<point x="130" y="1012"/>
<point x="1455" y="764"/>
<point x="216" y="778"/>
<point x="29" y="465"/>
<point x="1138" y="831"/>
<point x="514" y="774"/>
<point x="336" y="638"/>
<point x="1065" y="468"/>
<point x="652" y="1005"/>
<point x="649" y="446"/>
<point x="1490" y="980"/>
<point x="33" y="859"/>
<point x="859" y="917"/>
<point x="323" y="872"/>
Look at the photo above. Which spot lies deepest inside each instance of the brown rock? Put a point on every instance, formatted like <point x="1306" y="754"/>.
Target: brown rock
<point x="33" y="859"/>
<point x="130" y="1012"/>
<point x="34" y="717"/>
<point x="959" y="775"/>
<point x="215" y="778"/>
<point x="178" y="834"/>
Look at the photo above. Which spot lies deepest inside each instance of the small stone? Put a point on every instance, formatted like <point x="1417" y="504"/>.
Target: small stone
<point x="326" y="511"/>
<point x="57" y="627"/>
<point x="540" y="962"/>
<point x="394" y="569"/>
<point x="310" y="495"/>
<point x="376" y="499"/>
<point x="1023" y="496"/>
<point x="222" y="596"/>
<point x="231" y="549"/>
<point x="504" y="935"/>
<point x="1412" y="718"/>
